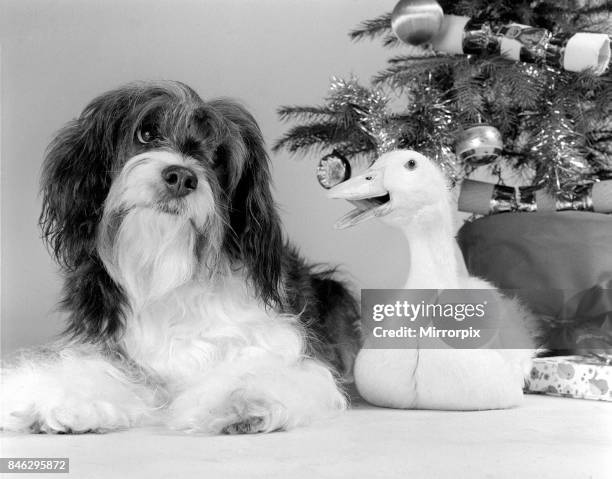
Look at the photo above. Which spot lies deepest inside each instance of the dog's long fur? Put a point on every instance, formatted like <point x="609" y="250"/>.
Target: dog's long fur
<point x="188" y="309"/>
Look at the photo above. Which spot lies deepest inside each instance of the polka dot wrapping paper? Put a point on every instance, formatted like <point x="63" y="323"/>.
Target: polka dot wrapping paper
<point x="582" y="377"/>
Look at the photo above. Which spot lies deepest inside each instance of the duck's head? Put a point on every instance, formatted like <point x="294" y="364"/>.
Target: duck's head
<point x="398" y="186"/>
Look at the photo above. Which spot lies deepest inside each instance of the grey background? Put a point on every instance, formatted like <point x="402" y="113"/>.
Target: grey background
<point x="58" y="54"/>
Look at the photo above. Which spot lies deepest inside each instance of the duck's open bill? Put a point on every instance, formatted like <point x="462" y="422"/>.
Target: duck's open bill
<point x="367" y="193"/>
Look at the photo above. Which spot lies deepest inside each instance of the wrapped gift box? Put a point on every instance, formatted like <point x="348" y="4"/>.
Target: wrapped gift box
<point x="583" y="377"/>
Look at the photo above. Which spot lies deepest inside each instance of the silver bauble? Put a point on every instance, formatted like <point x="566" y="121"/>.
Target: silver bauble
<point x="333" y="169"/>
<point x="416" y="21"/>
<point x="479" y="144"/>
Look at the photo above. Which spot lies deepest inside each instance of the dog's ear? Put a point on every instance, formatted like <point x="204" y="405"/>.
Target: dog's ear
<point x="76" y="178"/>
<point x="73" y="188"/>
<point x="257" y="238"/>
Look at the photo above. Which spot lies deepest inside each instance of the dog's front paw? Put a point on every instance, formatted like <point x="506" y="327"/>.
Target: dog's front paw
<point x="23" y="419"/>
<point x="268" y="396"/>
<point x="248" y="415"/>
<point x="240" y="412"/>
<point x="251" y="425"/>
<point x="70" y="394"/>
<point x="79" y="417"/>
<point x="70" y="417"/>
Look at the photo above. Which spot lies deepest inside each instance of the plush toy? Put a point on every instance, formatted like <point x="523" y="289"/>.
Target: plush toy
<point x="408" y="191"/>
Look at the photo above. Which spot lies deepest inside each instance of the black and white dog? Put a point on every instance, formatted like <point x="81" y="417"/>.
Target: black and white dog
<point x="185" y="303"/>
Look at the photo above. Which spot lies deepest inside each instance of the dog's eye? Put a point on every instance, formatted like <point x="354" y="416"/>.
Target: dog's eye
<point x="221" y="156"/>
<point x="145" y="135"/>
<point x="410" y="164"/>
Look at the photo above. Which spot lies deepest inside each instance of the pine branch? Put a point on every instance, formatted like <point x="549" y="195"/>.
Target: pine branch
<point x="596" y="23"/>
<point x="511" y="79"/>
<point x="406" y="69"/>
<point x="585" y="97"/>
<point x="304" y="113"/>
<point x="506" y="120"/>
<point x="427" y="56"/>
<point x="597" y="18"/>
<point x="596" y="10"/>
<point x="373" y="28"/>
<point x="599" y="145"/>
<point x="305" y="136"/>
<point x="391" y="40"/>
<point x="491" y="10"/>
<point x="396" y="77"/>
<point x="352" y="150"/>
<point x="467" y="93"/>
<point x="316" y="136"/>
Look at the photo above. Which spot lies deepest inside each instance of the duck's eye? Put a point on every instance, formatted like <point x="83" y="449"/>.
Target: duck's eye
<point x="411" y="164"/>
<point x="145" y="135"/>
<point x="369" y="178"/>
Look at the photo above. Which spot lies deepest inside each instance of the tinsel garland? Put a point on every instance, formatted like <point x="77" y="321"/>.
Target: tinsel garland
<point x="554" y="155"/>
<point x="370" y="106"/>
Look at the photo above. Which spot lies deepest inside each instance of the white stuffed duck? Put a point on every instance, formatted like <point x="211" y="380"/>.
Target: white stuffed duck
<point x="408" y="191"/>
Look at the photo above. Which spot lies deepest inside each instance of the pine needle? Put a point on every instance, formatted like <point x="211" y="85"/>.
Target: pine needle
<point x="303" y="113"/>
<point x="317" y="136"/>
<point x="372" y="29"/>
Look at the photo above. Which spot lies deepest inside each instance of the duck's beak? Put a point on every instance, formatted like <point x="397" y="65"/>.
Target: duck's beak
<point x="367" y="193"/>
<point x="367" y="185"/>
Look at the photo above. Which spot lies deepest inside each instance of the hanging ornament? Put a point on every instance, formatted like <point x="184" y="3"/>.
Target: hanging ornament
<point x="333" y="169"/>
<point x="479" y="144"/>
<point x="416" y="21"/>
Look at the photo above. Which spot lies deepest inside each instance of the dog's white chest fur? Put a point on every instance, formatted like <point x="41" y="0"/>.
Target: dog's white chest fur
<point x="194" y="327"/>
<point x="181" y="320"/>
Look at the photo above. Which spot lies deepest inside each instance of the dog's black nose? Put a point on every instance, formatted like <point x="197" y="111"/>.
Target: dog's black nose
<point x="180" y="180"/>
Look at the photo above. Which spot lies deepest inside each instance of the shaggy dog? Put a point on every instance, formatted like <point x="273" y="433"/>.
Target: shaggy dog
<point x="185" y="304"/>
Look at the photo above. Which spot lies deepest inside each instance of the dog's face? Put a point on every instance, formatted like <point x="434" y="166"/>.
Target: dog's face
<point x="156" y="183"/>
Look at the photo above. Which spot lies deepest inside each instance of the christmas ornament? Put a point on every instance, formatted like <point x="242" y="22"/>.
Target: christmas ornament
<point x="479" y="144"/>
<point x="571" y="51"/>
<point x="333" y="169"/>
<point x="486" y="198"/>
<point x="416" y="21"/>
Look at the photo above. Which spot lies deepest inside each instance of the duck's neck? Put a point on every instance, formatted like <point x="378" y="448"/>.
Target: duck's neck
<point x="433" y="264"/>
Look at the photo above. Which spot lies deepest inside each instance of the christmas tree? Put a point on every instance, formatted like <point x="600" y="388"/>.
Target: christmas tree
<point x="514" y="94"/>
